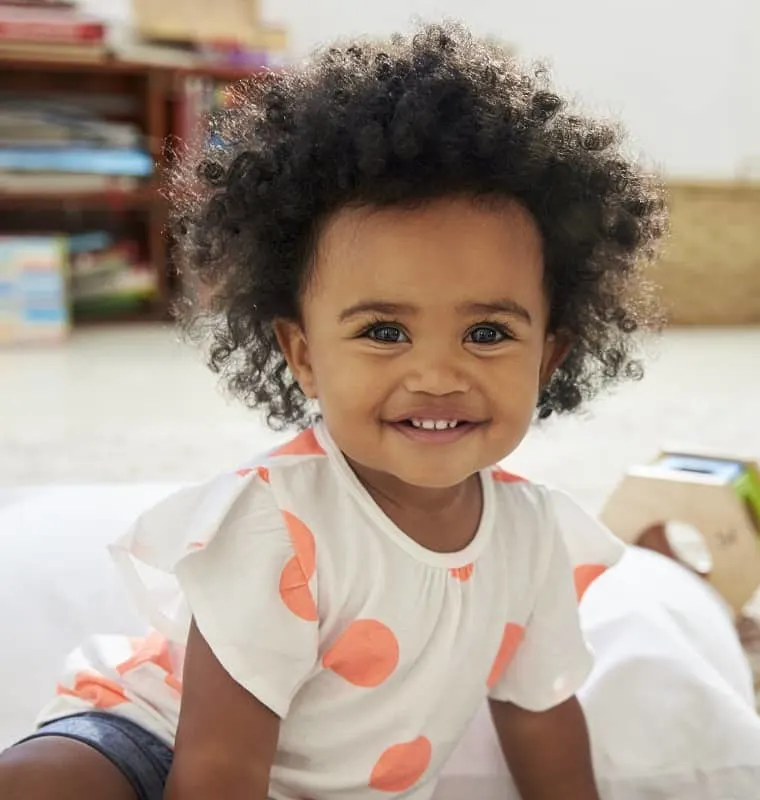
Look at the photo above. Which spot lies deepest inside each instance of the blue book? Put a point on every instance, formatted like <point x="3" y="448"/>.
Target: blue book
<point x="135" y="163"/>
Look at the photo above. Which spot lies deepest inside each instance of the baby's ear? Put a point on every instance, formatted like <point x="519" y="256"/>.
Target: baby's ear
<point x="557" y="347"/>
<point x="295" y="348"/>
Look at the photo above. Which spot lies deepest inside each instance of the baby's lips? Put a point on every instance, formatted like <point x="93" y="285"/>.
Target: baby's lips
<point x="437" y="413"/>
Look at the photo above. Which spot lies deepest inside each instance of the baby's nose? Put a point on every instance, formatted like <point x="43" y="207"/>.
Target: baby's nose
<point x="435" y="371"/>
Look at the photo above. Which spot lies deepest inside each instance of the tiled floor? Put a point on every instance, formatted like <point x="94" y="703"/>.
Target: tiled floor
<point x="132" y="403"/>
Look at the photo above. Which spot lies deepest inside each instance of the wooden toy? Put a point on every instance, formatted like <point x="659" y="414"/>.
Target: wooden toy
<point x="718" y="495"/>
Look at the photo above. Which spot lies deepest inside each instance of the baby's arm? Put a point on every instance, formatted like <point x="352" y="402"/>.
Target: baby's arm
<point x="548" y="752"/>
<point x="540" y="723"/>
<point x="226" y="738"/>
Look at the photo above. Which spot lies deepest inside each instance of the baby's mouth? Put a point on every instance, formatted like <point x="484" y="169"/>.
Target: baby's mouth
<point x="433" y="424"/>
<point x="429" y="429"/>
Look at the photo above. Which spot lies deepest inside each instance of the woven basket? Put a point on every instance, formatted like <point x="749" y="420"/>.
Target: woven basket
<point x="709" y="273"/>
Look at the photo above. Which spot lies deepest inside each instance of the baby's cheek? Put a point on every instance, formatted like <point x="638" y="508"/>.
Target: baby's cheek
<point x="350" y="388"/>
<point x="515" y="387"/>
<point x="514" y="407"/>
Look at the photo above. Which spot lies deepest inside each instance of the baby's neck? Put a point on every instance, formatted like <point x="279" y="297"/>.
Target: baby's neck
<point x="443" y="520"/>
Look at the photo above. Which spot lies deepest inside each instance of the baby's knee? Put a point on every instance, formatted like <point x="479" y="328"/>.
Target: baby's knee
<point x="55" y="768"/>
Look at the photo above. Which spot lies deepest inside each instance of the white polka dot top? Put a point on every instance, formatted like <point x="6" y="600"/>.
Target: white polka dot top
<point x="375" y="652"/>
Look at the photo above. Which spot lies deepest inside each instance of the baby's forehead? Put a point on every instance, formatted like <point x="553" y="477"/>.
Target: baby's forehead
<point x="442" y="256"/>
<point x="452" y="239"/>
<point x="359" y="223"/>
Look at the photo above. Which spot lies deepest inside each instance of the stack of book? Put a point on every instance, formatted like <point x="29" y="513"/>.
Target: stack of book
<point x="46" y="281"/>
<point x="229" y="33"/>
<point x="56" y="31"/>
<point x="107" y="276"/>
<point x="34" y="305"/>
<point x="57" y="144"/>
<point x="54" y="145"/>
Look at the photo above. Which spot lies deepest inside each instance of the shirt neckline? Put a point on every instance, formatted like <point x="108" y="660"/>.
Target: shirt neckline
<point x="457" y="559"/>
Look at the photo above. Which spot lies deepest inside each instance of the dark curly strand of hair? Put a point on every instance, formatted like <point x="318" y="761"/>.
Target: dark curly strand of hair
<point x="400" y="122"/>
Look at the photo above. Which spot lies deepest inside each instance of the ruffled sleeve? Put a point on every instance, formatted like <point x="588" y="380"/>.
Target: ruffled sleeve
<point x="553" y="660"/>
<point x="225" y="554"/>
<point x="591" y="547"/>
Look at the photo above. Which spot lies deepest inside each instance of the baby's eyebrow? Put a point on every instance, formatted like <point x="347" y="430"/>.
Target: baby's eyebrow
<point x="376" y="307"/>
<point x="382" y="307"/>
<point x="504" y="306"/>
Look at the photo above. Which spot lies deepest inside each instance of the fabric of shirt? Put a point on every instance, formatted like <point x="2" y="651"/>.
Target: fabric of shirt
<point x="374" y="651"/>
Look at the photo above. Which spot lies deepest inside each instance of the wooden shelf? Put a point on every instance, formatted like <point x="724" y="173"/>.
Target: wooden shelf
<point x="111" y="65"/>
<point x="218" y="72"/>
<point x="159" y="99"/>
<point x="108" y="200"/>
<point x="155" y="314"/>
<point x="116" y="66"/>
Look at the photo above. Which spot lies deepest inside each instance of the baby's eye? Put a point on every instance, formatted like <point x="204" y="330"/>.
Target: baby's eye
<point x="388" y="334"/>
<point x="487" y="334"/>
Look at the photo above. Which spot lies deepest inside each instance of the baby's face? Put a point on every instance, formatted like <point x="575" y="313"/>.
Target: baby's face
<point x="424" y="337"/>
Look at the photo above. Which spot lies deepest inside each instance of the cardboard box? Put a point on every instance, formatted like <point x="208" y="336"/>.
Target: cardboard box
<point x="717" y="494"/>
<point x="231" y="22"/>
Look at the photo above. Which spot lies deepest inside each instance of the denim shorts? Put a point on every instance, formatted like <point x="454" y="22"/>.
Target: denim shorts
<point x="141" y="757"/>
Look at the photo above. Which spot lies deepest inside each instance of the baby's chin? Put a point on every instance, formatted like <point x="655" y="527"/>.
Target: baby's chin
<point x="443" y="476"/>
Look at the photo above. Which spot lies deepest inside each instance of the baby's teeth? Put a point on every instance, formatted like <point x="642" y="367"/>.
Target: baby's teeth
<point x="434" y="424"/>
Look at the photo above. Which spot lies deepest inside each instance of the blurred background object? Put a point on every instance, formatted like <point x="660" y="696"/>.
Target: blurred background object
<point x="86" y="108"/>
<point x="710" y="271"/>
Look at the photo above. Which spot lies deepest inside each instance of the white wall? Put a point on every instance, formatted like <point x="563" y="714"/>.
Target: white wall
<point x="683" y="75"/>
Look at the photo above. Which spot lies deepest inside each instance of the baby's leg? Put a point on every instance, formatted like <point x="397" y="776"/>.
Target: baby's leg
<point x="56" y="768"/>
<point x="95" y="755"/>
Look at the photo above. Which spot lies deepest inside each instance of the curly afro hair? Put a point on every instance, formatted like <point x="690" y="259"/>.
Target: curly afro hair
<point x="415" y="118"/>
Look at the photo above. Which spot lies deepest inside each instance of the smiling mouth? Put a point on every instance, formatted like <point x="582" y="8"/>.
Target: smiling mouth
<point x="422" y="429"/>
<point x="433" y="424"/>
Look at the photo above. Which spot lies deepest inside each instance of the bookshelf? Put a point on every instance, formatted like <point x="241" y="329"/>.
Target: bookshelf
<point x="154" y="98"/>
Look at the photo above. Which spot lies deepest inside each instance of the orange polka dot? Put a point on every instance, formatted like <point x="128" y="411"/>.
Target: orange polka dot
<point x="295" y="591"/>
<point x="401" y="766"/>
<point x="510" y="641"/>
<point x="305" y="444"/>
<point x="365" y="654"/>
<point x="502" y="476"/>
<point x="296" y="574"/>
<point x="262" y="472"/>
<point x="154" y="649"/>
<point x="303" y="542"/>
<point x="584" y="575"/>
<point x="462" y="573"/>
<point x="95" y="689"/>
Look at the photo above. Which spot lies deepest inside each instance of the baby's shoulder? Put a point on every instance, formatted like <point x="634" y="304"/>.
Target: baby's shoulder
<point x="535" y="519"/>
<point x="534" y="503"/>
<point x="260" y="497"/>
<point x="522" y="500"/>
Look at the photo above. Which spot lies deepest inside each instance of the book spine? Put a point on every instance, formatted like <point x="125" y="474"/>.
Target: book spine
<point x="63" y="32"/>
<point x="40" y="4"/>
